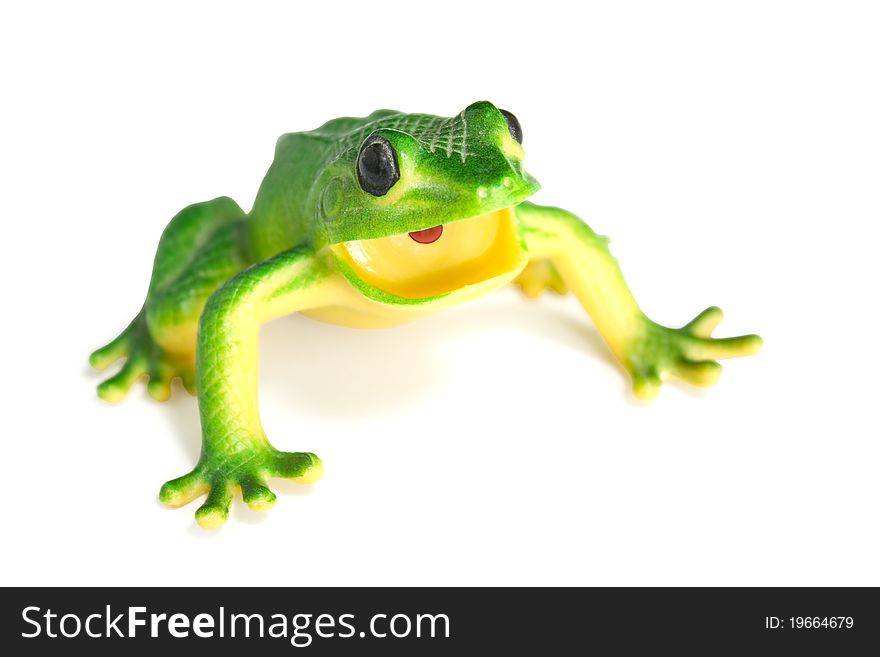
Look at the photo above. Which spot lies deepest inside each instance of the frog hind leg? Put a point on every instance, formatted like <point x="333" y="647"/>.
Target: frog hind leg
<point x="202" y="247"/>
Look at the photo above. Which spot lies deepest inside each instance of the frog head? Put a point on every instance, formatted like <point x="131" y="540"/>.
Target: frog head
<point x="422" y="205"/>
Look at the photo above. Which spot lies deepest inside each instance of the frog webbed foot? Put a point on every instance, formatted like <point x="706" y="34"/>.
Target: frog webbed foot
<point x="143" y="359"/>
<point x="689" y="353"/>
<point x="220" y="478"/>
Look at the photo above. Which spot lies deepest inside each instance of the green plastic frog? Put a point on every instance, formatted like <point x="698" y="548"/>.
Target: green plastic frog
<point x="368" y="222"/>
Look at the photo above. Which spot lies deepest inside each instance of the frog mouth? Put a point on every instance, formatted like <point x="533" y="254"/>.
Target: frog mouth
<point x="439" y="259"/>
<point x="428" y="235"/>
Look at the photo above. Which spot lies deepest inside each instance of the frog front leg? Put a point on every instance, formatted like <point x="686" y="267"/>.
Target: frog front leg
<point x="235" y="451"/>
<point x="561" y="246"/>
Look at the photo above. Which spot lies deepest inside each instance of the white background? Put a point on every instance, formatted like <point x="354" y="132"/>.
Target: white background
<point x="729" y="149"/>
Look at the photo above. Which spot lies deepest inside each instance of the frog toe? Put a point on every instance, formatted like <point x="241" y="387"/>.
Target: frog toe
<point x="183" y="490"/>
<point x="159" y="386"/>
<point x="215" y="511"/>
<point x="646" y="383"/>
<point x="256" y="493"/>
<point x="301" y="467"/>
<point x="188" y="379"/>
<point x="701" y="374"/>
<point x="102" y="358"/>
<point x="116" y="388"/>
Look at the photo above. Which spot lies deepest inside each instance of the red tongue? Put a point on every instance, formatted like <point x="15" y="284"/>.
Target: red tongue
<point x="428" y="235"/>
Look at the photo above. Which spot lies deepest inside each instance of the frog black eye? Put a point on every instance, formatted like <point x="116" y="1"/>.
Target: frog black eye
<point x="377" y="169"/>
<point x="512" y="125"/>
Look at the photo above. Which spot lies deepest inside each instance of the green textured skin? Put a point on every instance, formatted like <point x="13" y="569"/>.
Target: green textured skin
<point x="224" y="271"/>
<point x="320" y="202"/>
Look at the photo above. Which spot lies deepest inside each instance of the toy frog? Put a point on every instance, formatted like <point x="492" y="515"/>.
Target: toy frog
<point x="368" y="222"/>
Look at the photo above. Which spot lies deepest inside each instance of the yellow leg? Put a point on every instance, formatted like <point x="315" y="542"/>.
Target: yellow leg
<point x="650" y="352"/>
